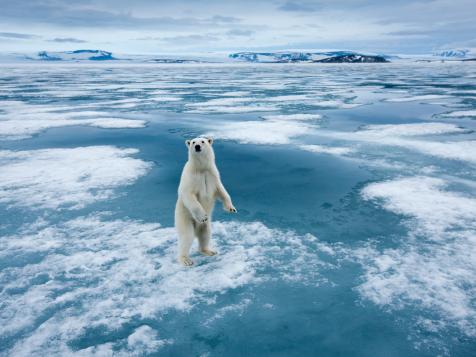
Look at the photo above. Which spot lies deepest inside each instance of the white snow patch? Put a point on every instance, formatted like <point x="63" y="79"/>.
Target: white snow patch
<point x="20" y="129"/>
<point x="260" y="132"/>
<point x="222" y="102"/>
<point x="101" y="276"/>
<point x="413" y="129"/>
<point x="397" y="135"/>
<point x="337" y="104"/>
<point x="145" y="339"/>
<point x="286" y="98"/>
<point x="293" y="117"/>
<point x="424" y="198"/>
<point x="236" y="94"/>
<point x="235" y="109"/>
<point x="23" y="120"/>
<point x="460" y="113"/>
<point x="165" y="99"/>
<point x="332" y="150"/>
<point x="117" y="123"/>
<point x="434" y="269"/>
<point x="418" y="98"/>
<point x="66" y="178"/>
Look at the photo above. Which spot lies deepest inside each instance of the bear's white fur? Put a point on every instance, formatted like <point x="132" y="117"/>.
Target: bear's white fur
<point x="199" y="187"/>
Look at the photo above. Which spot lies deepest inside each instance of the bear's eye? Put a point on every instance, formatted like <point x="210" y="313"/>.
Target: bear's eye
<point x="203" y="142"/>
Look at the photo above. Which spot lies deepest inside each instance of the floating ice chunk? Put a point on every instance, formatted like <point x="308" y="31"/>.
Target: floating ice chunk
<point x="66" y="178"/>
<point x="22" y="120"/>
<point x="327" y="149"/>
<point x="334" y="104"/>
<point x="413" y="129"/>
<point x="460" y="113"/>
<point x="286" y="98"/>
<point x="95" y="275"/>
<point x="145" y="339"/>
<point x="397" y="135"/>
<point x="236" y="94"/>
<point x="434" y="271"/>
<point x="21" y="129"/>
<point x="116" y="123"/>
<point x="424" y="198"/>
<point x="235" y="308"/>
<point x="222" y="102"/>
<point x="165" y="99"/>
<point x="293" y="117"/>
<point x="418" y="98"/>
<point x="235" y="109"/>
<point x="261" y="132"/>
<point x="454" y="150"/>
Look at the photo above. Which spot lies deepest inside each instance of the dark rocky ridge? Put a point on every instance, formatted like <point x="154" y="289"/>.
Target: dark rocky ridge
<point x="353" y="58"/>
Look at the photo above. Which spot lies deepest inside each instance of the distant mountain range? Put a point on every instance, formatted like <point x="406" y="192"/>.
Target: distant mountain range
<point x="317" y="57"/>
<point x="457" y="54"/>
<point x="291" y="56"/>
<point x="453" y="53"/>
<point x="78" y="55"/>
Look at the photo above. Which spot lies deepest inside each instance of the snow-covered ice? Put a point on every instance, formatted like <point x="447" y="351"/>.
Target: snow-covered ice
<point x="355" y="189"/>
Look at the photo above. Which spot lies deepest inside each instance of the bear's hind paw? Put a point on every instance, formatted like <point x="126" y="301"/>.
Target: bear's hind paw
<point x="185" y="261"/>
<point x="208" y="252"/>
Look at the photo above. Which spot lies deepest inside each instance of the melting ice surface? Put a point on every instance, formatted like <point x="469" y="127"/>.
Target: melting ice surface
<point x="355" y="186"/>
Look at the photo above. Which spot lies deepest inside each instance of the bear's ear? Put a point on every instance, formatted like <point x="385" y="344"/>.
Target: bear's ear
<point x="187" y="142"/>
<point x="210" y="140"/>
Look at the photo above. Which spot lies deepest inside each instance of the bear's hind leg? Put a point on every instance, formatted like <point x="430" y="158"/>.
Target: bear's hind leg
<point x="204" y="233"/>
<point x="186" y="236"/>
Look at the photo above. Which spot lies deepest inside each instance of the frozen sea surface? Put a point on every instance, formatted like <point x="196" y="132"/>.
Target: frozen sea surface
<point x="356" y="192"/>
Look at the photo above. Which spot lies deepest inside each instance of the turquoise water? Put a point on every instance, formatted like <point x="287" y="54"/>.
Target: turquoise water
<point x="355" y="232"/>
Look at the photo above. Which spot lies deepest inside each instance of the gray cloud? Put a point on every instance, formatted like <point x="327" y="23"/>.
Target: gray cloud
<point x="190" y="39"/>
<point x="225" y="19"/>
<point x="399" y="25"/>
<point x="20" y="36"/>
<point x="67" y="40"/>
<point x="297" y="7"/>
<point x="64" y="14"/>
<point x="240" y="33"/>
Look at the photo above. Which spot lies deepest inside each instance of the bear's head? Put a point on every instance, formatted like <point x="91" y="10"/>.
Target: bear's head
<point x="200" y="151"/>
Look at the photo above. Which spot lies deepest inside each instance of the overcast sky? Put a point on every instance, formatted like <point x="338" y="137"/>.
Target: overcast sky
<point x="201" y="26"/>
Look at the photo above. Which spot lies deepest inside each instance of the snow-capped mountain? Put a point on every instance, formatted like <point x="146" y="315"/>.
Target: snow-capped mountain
<point x="78" y="55"/>
<point x="456" y="53"/>
<point x="323" y="57"/>
<point x="354" y="58"/>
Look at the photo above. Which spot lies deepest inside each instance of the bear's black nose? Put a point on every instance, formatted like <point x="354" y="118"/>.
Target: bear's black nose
<point x="198" y="148"/>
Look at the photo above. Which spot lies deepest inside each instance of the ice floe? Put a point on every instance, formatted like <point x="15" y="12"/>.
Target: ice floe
<point x="416" y="98"/>
<point x="66" y="178"/>
<point x="22" y="120"/>
<point x="101" y="276"/>
<point x="21" y="129"/>
<point x="292" y="117"/>
<point x="404" y="135"/>
<point x="260" y="132"/>
<point x="413" y="129"/>
<point x="332" y="150"/>
<point x="460" y="113"/>
<point x="234" y="109"/>
<point x="433" y="270"/>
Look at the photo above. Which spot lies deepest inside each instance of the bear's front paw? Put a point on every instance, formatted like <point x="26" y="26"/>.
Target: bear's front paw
<point x="208" y="252"/>
<point x="229" y="207"/>
<point x="201" y="217"/>
<point x="185" y="261"/>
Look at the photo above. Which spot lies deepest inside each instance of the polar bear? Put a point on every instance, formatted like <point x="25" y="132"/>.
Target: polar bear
<point x="200" y="185"/>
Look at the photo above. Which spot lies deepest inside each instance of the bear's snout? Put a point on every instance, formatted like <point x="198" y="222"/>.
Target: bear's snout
<point x="198" y="148"/>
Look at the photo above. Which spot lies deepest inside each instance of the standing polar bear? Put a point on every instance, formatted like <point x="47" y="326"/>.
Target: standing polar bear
<point x="200" y="185"/>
